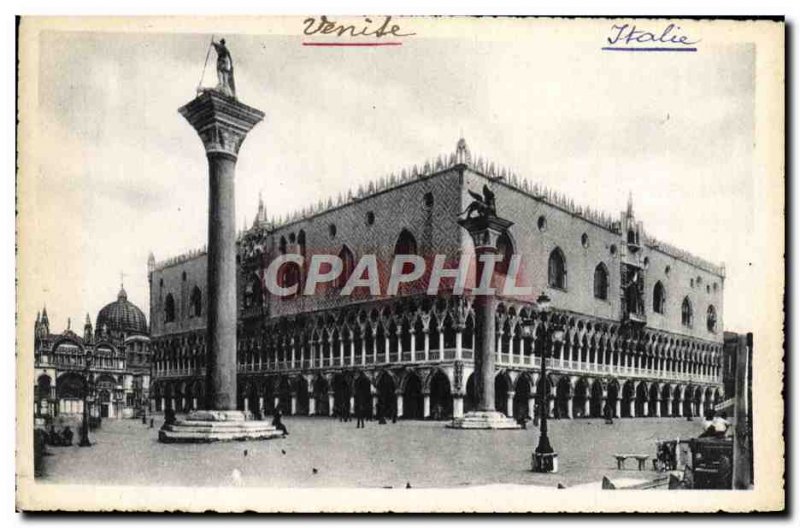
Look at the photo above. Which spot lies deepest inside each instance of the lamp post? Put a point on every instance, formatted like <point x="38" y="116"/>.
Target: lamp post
<point x="544" y="458"/>
<point x="84" y="441"/>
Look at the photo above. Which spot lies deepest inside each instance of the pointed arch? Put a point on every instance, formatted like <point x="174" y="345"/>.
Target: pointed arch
<point x="601" y="282"/>
<point x="505" y="247"/>
<point x="348" y="265"/>
<point x="659" y="298"/>
<point x="557" y="269"/>
<point x="196" y="303"/>
<point x="687" y="313"/>
<point x="169" y="309"/>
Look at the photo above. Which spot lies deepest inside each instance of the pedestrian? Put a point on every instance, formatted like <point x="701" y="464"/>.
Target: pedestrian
<point x="277" y="423"/>
<point x="152" y="423"/>
<point x="359" y="416"/>
<point x="608" y="414"/>
<point x="67" y="435"/>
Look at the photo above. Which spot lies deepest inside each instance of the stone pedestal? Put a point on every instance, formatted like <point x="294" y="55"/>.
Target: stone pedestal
<point x="483" y="420"/>
<point x="214" y="426"/>
<point x="544" y="462"/>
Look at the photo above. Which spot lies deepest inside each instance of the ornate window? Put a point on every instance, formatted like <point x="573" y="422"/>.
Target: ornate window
<point x="253" y="293"/>
<point x="347" y="267"/>
<point x="406" y="245"/>
<point x="557" y="270"/>
<point x="659" y="298"/>
<point x="601" y="282"/>
<point x="169" y="309"/>
<point x="505" y="247"/>
<point x="289" y="276"/>
<point x="196" y="303"/>
<point x="687" y="316"/>
<point x="711" y="318"/>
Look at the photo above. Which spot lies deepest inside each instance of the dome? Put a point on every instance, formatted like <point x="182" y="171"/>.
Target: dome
<point x="122" y="316"/>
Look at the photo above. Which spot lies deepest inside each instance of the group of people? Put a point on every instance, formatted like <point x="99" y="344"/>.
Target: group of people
<point x="61" y="438"/>
<point x="716" y="425"/>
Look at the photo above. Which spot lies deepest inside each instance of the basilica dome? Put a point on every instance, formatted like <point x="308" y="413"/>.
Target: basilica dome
<point x="122" y="316"/>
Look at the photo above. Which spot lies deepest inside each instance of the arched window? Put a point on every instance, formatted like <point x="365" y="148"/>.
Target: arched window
<point x="406" y="245"/>
<point x="659" y="298"/>
<point x="686" y="312"/>
<point x="601" y="282"/>
<point x="290" y="276"/>
<point x="253" y="293"/>
<point x="348" y="265"/>
<point x="711" y="318"/>
<point x="557" y="270"/>
<point x="505" y="247"/>
<point x="169" y="308"/>
<point x="196" y="302"/>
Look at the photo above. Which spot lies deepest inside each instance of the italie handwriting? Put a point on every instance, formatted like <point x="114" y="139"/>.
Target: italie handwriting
<point x="629" y="33"/>
<point x="368" y="28"/>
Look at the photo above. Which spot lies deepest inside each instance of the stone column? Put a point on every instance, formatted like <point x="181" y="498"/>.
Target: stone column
<point x="458" y="406"/>
<point x="330" y="404"/>
<point x="587" y="409"/>
<point x="399" y="405"/>
<point x="632" y="407"/>
<point x="352" y="404"/>
<point x="510" y="403"/>
<point x="569" y="407"/>
<point x="531" y="405"/>
<point x="657" y="406"/>
<point x="618" y="408"/>
<point x="375" y="405"/>
<point x="312" y="403"/>
<point x="222" y="123"/>
<point x="294" y="404"/>
<point x="426" y="405"/>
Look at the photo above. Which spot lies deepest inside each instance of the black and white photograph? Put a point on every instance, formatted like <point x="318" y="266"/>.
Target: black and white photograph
<point x="400" y="263"/>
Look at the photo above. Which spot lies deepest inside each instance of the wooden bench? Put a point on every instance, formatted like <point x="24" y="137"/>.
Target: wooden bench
<point x="641" y="459"/>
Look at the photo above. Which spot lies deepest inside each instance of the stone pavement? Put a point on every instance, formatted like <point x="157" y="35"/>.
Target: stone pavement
<point x="424" y="454"/>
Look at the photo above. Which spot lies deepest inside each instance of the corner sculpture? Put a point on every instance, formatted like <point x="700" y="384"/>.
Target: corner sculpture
<point x="226" y="84"/>
<point x="483" y="206"/>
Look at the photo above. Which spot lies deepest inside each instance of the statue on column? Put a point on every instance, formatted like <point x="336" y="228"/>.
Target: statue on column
<point x="483" y="206"/>
<point x="224" y="69"/>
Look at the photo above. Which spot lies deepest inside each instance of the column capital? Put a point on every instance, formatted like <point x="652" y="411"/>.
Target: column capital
<point x="221" y="122"/>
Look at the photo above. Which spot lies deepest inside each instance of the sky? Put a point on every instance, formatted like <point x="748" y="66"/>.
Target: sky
<point x="121" y="173"/>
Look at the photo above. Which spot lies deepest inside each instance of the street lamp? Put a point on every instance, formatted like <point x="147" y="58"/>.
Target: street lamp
<point x="544" y="458"/>
<point x="84" y="442"/>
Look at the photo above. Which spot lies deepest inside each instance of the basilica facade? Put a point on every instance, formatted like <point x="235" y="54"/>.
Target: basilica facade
<point x="642" y="319"/>
<point x="107" y="366"/>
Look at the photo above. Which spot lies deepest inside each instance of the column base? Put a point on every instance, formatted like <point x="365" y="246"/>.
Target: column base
<point x="544" y="462"/>
<point x="483" y="420"/>
<point x="216" y="426"/>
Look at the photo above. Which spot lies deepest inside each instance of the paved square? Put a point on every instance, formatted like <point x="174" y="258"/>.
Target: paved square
<point x="424" y="454"/>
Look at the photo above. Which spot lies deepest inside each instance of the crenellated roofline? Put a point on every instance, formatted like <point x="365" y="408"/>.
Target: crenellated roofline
<point x="461" y="159"/>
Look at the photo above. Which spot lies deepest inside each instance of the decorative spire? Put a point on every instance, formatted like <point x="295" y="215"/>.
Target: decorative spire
<point x="261" y="217"/>
<point x="630" y="205"/>
<point x="462" y="152"/>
